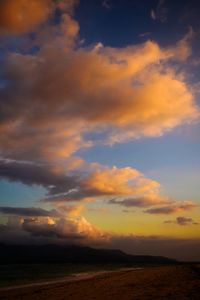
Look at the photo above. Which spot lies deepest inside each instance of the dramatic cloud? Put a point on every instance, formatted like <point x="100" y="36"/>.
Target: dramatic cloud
<point x="58" y="96"/>
<point x="182" y="221"/>
<point x="94" y="181"/>
<point x="48" y="227"/>
<point x="173" y="208"/>
<point x="63" y="229"/>
<point x="101" y="181"/>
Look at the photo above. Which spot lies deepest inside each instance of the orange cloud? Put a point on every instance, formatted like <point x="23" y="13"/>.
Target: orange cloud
<point x="69" y="92"/>
<point x="116" y="181"/>
<point x="52" y="230"/>
<point x="101" y="182"/>
<point x="71" y="211"/>
<point x="20" y="16"/>
<point x="96" y="182"/>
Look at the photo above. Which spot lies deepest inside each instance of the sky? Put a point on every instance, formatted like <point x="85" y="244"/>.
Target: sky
<point x="99" y="124"/>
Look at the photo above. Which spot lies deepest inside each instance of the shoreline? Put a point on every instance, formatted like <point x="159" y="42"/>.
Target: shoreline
<point x="161" y="282"/>
<point x="67" y="279"/>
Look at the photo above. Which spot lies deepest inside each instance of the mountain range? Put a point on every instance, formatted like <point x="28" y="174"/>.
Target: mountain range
<point x="72" y="254"/>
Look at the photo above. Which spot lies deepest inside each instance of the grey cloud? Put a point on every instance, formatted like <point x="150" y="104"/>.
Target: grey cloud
<point x="185" y="221"/>
<point x="29" y="212"/>
<point x="64" y="186"/>
<point x="34" y="174"/>
<point x="35" y="225"/>
<point x="51" y="230"/>
<point x="107" y="4"/>
<point x="130" y="202"/>
<point x="171" y="209"/>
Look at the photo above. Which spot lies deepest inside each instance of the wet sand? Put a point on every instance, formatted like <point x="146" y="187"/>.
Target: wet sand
<point x="166" y="282"/>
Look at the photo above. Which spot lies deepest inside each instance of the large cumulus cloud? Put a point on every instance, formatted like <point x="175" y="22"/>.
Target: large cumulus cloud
<point x="62" y="226"/>
<point x="54" y="98"/>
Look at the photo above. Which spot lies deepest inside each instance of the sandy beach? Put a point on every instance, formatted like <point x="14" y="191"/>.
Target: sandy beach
<point x="165" y="282"/>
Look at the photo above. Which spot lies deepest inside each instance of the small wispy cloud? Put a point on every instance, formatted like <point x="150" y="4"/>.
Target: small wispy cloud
<point x="144" y="34"/>
<point x="153" y="14"/>
<point x="173" y="208"/>
<point x="183" y="221"/>
<point x="107" y="4"/>
<point x="160" y="13"/>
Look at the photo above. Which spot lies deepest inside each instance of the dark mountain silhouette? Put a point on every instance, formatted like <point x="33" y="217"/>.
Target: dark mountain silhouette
<point x="75" y="254"/>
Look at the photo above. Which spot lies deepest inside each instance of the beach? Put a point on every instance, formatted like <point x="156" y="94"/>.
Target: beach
<point x="161" y="282"/>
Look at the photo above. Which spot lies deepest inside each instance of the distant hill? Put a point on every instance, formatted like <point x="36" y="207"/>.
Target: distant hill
<point x="64" y="254"/>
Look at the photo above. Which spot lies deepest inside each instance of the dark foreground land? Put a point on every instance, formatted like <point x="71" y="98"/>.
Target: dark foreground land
<point x="163" y="282"/>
